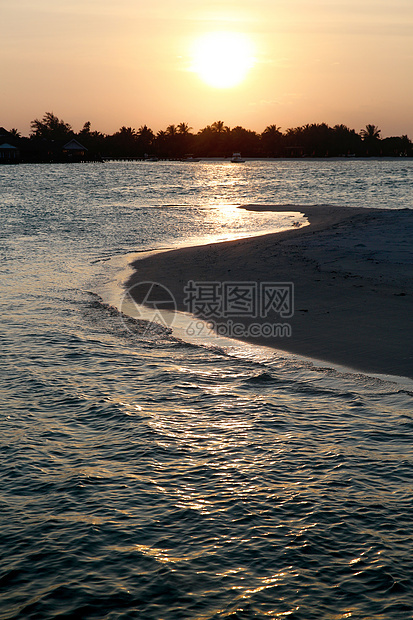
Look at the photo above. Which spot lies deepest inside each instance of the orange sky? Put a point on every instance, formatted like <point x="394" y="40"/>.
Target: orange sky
<point x="129" y="63"/>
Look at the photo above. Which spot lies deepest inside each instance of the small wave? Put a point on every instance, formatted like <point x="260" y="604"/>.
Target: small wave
<point x="134" y="326"/>
<point x="129" y="327"/>
<point x="263" y="377"/>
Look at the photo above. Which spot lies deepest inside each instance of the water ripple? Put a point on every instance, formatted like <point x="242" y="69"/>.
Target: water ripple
<point x="145" y="477"/>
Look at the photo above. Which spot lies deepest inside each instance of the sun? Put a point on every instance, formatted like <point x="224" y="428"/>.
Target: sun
<point x="223" y="59"/>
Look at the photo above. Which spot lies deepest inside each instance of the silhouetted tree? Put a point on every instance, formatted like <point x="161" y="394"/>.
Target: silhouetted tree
<point x="48" y="135"/>
<point x="317" y="139"/>
<point x="371" y="132"/>
<point x="184" y="129"/>
<point x="172" y="141"/>
<point x="145" y="140"/>
<point x="85" y="129"/>
<point x="321" y="140"/>
<point x="346" y="141"/>
<point x="212" y="140"/>
<point x="219" y="127"/>
<point x="94" y="141"/>
<point x="397" y="146"/>
<point x="272" y="141"/>
<point x="161" y="144"/>
<point x="171" y="130"/>
<point x="243" y="141"/>
<point x="185" y="139"/>
<point x="371" y="139"/>
<point x="50" y="128"/>
<point x="123" y="143"/>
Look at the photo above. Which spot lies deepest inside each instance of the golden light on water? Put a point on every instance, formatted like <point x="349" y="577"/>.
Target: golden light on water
<point x="223" y="59"/>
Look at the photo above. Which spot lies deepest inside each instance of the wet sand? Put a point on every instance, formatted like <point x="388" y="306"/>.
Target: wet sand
<point x="352" y="271"/>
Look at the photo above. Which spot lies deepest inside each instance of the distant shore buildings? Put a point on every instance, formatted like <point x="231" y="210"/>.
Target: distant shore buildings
<point x="16" y="149"/>
<point x="9" y="154"/>
<point x="53" y="141"/>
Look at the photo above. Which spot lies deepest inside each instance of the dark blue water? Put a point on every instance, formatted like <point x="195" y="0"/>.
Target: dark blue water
<point x="145" y="477"/>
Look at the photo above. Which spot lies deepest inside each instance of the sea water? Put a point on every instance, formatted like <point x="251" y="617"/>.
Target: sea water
<point x="145" y="476"/>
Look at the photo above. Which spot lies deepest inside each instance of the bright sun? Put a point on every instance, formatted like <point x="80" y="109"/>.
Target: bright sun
<point x="223" y="59"/>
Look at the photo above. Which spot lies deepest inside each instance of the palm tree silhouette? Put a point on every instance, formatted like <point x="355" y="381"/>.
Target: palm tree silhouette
<point x="371" y="138"/>
<point x="271" y="140"/>
<point x="171" y="130"/>
<point x="184" y="129"/>
<point x="371" y="132"/>
<point x="219" y="127"/>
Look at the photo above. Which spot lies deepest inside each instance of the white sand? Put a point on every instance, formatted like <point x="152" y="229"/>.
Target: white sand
<point x="352" y="271"/>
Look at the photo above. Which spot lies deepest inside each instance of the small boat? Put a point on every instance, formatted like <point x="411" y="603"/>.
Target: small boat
<point x="190" y="158"/>
<point x="237" y="159"/>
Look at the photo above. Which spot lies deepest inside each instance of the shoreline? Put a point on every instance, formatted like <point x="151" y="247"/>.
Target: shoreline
<point x="352" y="272"/>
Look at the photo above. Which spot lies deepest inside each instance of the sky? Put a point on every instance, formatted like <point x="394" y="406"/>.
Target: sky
<point x="131" y="62"/>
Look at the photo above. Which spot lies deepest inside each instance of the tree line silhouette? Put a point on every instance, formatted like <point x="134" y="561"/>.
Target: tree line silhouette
<point x="50" y="133"/>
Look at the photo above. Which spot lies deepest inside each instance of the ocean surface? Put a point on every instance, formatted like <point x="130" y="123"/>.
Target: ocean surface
<point x="147" y="477"/>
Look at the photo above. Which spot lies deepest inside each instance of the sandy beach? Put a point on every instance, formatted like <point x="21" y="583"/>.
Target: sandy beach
<point x="352" y="271"/>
